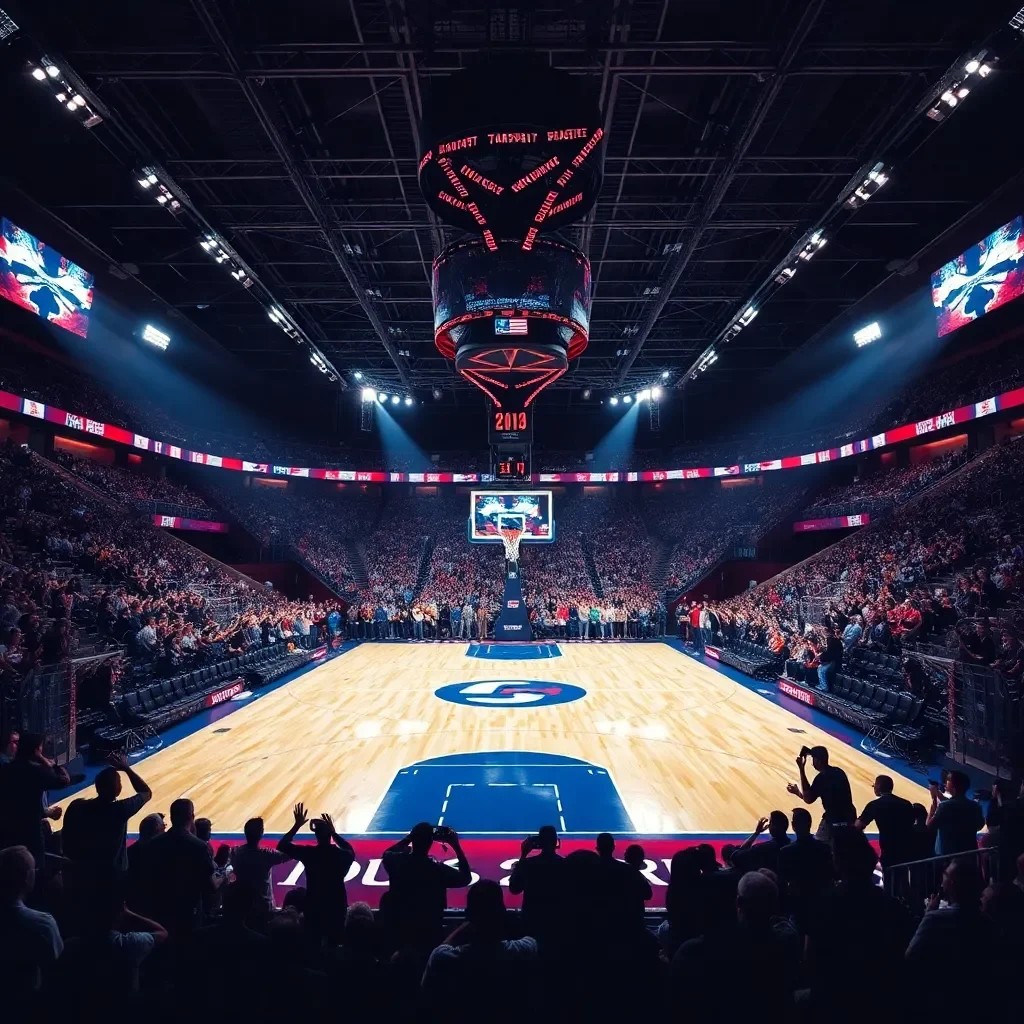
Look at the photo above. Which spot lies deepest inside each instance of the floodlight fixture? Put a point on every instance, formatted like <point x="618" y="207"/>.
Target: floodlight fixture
<point x="866" y="335"/>
<point x="155" y="337"/>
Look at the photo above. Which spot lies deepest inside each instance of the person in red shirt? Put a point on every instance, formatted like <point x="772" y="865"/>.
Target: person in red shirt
<point x="695" y="635"/>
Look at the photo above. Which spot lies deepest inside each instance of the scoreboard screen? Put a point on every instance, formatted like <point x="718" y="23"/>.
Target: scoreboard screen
<point x="508" y="427"/>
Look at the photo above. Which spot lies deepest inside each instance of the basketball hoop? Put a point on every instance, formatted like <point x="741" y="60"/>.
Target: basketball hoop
<point x="510" y="536"/>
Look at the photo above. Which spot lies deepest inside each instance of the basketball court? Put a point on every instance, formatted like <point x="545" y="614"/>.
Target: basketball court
<point x="498" y="739"/>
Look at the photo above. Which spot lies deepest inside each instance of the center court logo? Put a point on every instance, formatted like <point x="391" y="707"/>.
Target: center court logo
<point x="491" y="692"/>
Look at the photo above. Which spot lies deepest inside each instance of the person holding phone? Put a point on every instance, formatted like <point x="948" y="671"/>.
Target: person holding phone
<point x="541" y="880"/>
<point x="830" y="785"/>
<point x="419" y="884"/>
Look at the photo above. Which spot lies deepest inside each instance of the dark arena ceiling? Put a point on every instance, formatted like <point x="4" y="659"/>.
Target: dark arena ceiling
<point x="733" y="131"/>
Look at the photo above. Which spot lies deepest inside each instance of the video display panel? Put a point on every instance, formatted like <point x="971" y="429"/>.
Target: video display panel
<point x="487" y="508"/>
<point x="36" y="277"/>
<point x="986" y="276"/>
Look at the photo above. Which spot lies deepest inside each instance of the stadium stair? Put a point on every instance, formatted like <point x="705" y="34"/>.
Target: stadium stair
<point x="588" y="561"/>
<point x="357" y="564"/>
<point x="659" y="563"/>
<point x="424" y="570"/>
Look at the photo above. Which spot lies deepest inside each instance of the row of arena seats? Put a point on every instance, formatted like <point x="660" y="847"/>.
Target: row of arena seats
<point x="748" y="657"/>
<point x="169" y="701"/>
<point x="877" y="666"/>
<point x="866" y="705"/>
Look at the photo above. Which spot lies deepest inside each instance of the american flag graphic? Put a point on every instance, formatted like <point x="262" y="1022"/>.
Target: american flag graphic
<point x="510" y="325"/>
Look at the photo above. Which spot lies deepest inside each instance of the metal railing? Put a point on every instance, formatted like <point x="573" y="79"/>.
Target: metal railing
<point x="172" y="508"/>
<point x="914" y="882"/>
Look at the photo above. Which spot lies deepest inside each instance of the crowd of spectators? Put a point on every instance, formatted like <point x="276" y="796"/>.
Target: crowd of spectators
<point x="774" y="928"/>
<point x="137" y="487"/>
<point x="313" y="522"/>
<point x="891" y="486"/>
<point x="947" y="567"/>
<point x="80" y="566"/>
<point x="703" y="523"/>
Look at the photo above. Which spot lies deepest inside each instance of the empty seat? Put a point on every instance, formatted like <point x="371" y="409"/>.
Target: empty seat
<point x="866" y="694"/>
<point x="879" y="698"/>
<point x="891" y="700"/>
<point x="904" y="703"/>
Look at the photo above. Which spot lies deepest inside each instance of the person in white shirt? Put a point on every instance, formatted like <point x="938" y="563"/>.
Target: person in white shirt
<point x="466" y="625"/>
<point x="30" y="941"/>
<point x="477" y="961"/>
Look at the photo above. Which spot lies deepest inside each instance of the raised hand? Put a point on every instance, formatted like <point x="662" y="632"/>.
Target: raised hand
<point x="762" y="824"/>
<point x="118" y="761"/>
<point x="793" y="788"/>
<point x="300" y="815"/>
<point x="329" y="822"/>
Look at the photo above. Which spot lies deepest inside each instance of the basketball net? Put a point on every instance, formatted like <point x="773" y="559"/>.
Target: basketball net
<point x="510" y="536"/>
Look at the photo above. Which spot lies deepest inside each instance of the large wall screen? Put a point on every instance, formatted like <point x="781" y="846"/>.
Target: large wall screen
<point x="986" y="276"/>
<point x="36" y="277"/>
<point x="489" y="508"/>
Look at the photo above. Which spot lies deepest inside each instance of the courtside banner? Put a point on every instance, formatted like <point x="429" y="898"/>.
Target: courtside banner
<point x="832" y="523"/>
<point x="178" y="523"/>
<point x="906" y="432"/>
<point x="489" y="858"/>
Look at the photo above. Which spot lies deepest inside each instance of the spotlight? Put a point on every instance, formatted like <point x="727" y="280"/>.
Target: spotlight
<point x="949" y="99"/>
<point x="963" y="92"/>
<point x="369" y="394"/>
<point x="627" y="399"/>
<point x="643" y="395"/>
<point x="155" y="337"/>
<point x="62" y="97"/>
<point x="408" y="400"/>
<point x="79" y="100"/>
<point x="161" y="199"/>
<point x="358" y="375"/>
<point x="437" y="394"/>
<point x="39" y="74"/>
<point x="655" y="393"/>
<point x="984" y="71"/>
<point x="52" y="70"/>
<point x="381" y="397"/>
<point x="971" y="66"/>
<point x="586" y="394"/>
<point x="71" y="106"/>
<point x="395" y="399"/>
<point x="613" y="400"/>
<point x="664" y="374"/>
<point x="866" y="335"/>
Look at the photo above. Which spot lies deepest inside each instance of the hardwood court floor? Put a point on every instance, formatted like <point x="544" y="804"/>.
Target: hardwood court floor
<point x="688" y="749"/>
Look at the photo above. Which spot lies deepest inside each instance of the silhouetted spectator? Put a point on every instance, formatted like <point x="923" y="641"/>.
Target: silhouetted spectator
<point x="24" y="782"/>
<point x="542" y="881"/>
<point x="478" y="969"/>
<point x="419" y="884"/>
<point x="181" y="873"/>
<point x="752" y="856"/>
<point x="253" y="866"/>
<point x="30" y="941"/>
<point x="956" y="822"/>
<point x="830" y="785"/>
<point x="326" y="867"/>
<point x="747" y="969"/>
<point x="894" y="818"/>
